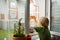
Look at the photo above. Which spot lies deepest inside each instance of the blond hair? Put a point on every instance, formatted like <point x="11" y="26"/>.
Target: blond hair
<point x="43" y="20"/>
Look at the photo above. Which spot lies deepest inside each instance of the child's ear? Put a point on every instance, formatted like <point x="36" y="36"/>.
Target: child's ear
<point x="40" y="23"/>
<point x="46" y="24"/>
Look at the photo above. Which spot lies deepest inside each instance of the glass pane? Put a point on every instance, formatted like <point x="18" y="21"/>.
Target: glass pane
<point x="10" y="12"/>
<point x="34" y="13"/>
<point x="55" y="20"/>
<point x="3" y="22"/>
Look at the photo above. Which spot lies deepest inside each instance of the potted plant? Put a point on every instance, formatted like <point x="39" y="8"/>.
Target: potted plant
<point x="19" y="31"/>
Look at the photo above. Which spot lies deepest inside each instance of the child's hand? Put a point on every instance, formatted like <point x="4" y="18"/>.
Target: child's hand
<point x="31" y="27"/>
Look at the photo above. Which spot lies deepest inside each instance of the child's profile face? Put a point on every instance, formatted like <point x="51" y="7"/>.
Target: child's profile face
<point x="46" y="24"/>
<point x="44" y="21"/>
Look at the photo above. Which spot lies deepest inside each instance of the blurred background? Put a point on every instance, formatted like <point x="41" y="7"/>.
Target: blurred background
<point x="12" y="10"/>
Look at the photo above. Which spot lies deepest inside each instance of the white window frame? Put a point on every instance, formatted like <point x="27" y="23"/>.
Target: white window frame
<point x="47" y="10"/>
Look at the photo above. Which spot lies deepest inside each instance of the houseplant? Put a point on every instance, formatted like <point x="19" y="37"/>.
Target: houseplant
<point x="19" y="31"/>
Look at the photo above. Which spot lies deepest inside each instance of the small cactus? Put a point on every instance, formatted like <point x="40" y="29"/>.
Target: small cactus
<point x="19" y="29"/>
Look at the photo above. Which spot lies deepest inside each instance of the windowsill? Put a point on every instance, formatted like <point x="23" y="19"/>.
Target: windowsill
<point x="35" y="33"/>
<point x="52" y="33"/>
<point x="55" y="33"/>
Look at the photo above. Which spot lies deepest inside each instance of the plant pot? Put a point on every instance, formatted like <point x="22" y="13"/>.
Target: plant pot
<point x="29" y="37"/>
<point x="19" y="38"/>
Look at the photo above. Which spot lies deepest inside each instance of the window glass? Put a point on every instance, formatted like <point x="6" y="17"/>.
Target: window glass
<point x="55" y="15"/>
<point x="34" y="13"/>
<point x="10" y="12"/>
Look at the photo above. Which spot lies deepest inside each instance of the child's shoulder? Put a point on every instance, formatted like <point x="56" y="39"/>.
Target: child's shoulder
<point x="41" y="27"/>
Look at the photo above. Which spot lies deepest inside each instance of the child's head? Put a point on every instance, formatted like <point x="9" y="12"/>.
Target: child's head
<point x="44" y="21"/>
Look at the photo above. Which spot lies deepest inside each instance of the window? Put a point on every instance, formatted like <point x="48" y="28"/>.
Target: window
<point x="10" y="12"/>
<point x="55" y="15"/>
<point x="34" y="12"/>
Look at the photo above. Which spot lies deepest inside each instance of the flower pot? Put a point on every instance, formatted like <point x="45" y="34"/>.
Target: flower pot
<point x="19" y="38"/>
<point x="29" y="37"/>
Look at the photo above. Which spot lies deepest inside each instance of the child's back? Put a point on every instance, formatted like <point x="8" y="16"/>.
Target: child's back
<point x="43" y="33"/>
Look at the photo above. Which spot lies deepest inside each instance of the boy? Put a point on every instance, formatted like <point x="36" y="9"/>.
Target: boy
<point x="42" y="29"/>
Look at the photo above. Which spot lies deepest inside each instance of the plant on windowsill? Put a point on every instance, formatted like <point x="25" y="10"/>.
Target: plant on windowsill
<point x="19" y="31"/>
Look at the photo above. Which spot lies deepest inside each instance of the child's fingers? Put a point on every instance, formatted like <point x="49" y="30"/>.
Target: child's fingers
<point x="32" y="27"/>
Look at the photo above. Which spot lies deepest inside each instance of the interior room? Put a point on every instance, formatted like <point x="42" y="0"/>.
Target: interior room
<point x="30" y="11"/>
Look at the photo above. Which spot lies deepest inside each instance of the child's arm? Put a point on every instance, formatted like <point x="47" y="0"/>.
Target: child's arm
<point x="38" y="28"/>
